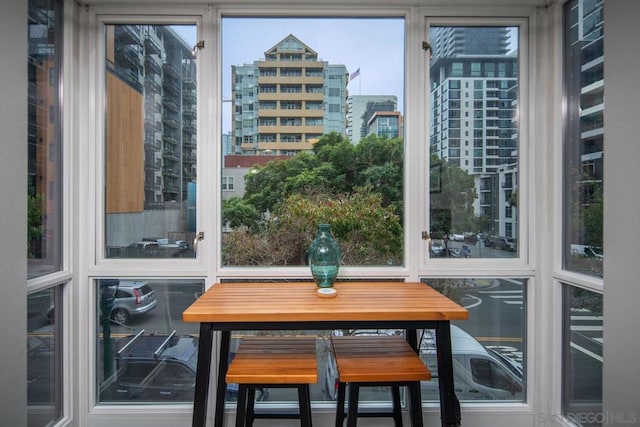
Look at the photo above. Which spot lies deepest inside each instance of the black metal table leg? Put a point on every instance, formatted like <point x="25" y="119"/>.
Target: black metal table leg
<point x="205" y="342"/>
<point x="448" y="400"/>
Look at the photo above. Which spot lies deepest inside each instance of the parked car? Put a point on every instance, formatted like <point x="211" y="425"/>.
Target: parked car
<point x="499" y="242"/>
<point x="479" y="374"/>
<point x="157" y="368"/>
<point x="437" y="248"/>
<point x="133" y="298"/>
<point x="153" y="368"/>
<point x="456" y="237"/>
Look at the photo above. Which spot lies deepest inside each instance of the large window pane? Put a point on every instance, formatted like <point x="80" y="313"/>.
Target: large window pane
<point x="44" y="358"/>
<point x="312" y="133"/>
<point x="44" y="233"/>
<point x="584" y="137"/>
<point x="146" y="354"/>
<point x="150" y="140"/>
<point x="582" y="357"/>
<point x="489" y="348"/>
<point x="474" y="158"/>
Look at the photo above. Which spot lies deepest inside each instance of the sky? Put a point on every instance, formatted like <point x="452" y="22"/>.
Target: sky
<point x="375" y="46"/>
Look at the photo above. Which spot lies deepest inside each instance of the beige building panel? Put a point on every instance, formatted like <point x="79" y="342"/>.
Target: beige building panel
<point x="290" y="113"/>
<point x="275" y="146"/>
<point x="125" y="150"/>
<point x="301" y="80"/>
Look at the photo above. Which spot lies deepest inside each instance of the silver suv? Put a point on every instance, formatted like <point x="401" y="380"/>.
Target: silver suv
<point x="133" y="298"/>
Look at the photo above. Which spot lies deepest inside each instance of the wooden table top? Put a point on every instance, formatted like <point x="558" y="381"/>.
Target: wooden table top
<point x="298" y="302"/>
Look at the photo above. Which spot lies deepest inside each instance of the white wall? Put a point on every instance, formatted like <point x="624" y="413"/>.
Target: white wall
<point x="13" y="225"/>
<point x="621" y="376"/>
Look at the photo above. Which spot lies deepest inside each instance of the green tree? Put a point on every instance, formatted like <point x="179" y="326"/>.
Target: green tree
<point x="452" y="196"/>
<point x="355" y="188"/>
<point x="593" y="217"/>
<point x="237" y="212"/>
<point x="35" y="228"/>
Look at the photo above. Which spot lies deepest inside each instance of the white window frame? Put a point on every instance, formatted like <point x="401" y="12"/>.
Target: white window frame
<point x="90" y="128"/>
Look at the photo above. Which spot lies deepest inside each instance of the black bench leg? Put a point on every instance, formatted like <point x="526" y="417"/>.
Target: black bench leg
<point x="242" y="406"/>
<point x="354" y="395"/>
<point x="342" y="391"/>
<point x="397" y="408"/>
<point x="304" y="402"/>
<point x="251" y="401"/>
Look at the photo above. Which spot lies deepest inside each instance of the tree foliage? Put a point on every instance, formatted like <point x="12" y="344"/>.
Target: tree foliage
<point x="357" y="189"/>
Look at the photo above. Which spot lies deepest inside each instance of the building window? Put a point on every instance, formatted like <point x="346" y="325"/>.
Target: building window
<point x="44" y="357"/>
<point x="468" y="49"/>
<point x="227" y="183"/>
<point x="150" y="133"/>
<point x="133" y="364"/>
<point x="274" y="194"/>
<point x="44" y="138"/>
<point x="496" y="369"/>
<point x="584" y="140"/>
<point x="582" y="341"/>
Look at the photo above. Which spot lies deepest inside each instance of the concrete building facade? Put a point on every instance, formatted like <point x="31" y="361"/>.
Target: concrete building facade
<point x="286" y="101"/>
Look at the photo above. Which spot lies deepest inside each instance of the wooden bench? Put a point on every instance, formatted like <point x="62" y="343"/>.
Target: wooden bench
<point x="265" y="361"/>
<point x="364" y="361"/>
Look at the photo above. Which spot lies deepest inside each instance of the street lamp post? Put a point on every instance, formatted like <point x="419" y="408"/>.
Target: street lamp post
<point x="108" y="290"/>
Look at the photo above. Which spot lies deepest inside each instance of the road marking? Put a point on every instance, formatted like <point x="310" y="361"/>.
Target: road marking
<point x="513" y="302"/>
<point x="586" y="328"/>
<point x="587" y="352"/>
<point x="506" y="339"/>
<point x="505" y="296"/>
<point x="586" y="317"/>
<point x="474" y="304"/>
<point x="517" y="282"/>
<point x="501" y="292"/>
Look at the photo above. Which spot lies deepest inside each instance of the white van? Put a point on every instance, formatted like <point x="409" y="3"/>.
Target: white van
<point x="479" y="374"/>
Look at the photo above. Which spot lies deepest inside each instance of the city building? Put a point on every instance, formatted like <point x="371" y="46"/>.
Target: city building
<point x="386" y="124"/>
<point x="286" y="101"/>
<point x="360" y="108"/>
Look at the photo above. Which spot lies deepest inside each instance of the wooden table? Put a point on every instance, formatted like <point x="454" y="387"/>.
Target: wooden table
<point x="233" y="306"/>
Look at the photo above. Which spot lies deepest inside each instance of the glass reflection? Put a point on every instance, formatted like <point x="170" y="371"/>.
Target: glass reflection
<point x="582" y="357"/>
<point x="146" y="354"/>
<point x="150" y="141"/>
<point x="489" y="358"/>
<point x="44" y="358"/>
<point x="44" y="230"/>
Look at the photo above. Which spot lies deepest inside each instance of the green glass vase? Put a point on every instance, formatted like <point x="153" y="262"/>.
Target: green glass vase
<point x="324" y="257"/>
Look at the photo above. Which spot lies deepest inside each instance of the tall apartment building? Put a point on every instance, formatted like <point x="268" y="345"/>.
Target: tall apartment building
<point x="360" y="109"/>
<point x="447" y="42"/>
<point x="474" y="81"/>
<point x="152" y="70"/>
<point x="286" y="101"/>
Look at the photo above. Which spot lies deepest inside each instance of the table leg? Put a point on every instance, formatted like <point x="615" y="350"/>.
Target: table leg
<point x="449" y="406"/>
<point x="203" y="372"/>
<point x="223" y="365"/>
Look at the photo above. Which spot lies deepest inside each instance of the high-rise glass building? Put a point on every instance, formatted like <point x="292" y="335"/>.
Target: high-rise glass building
<point x="286" y="101"/>
<point x="360" y="109"/>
